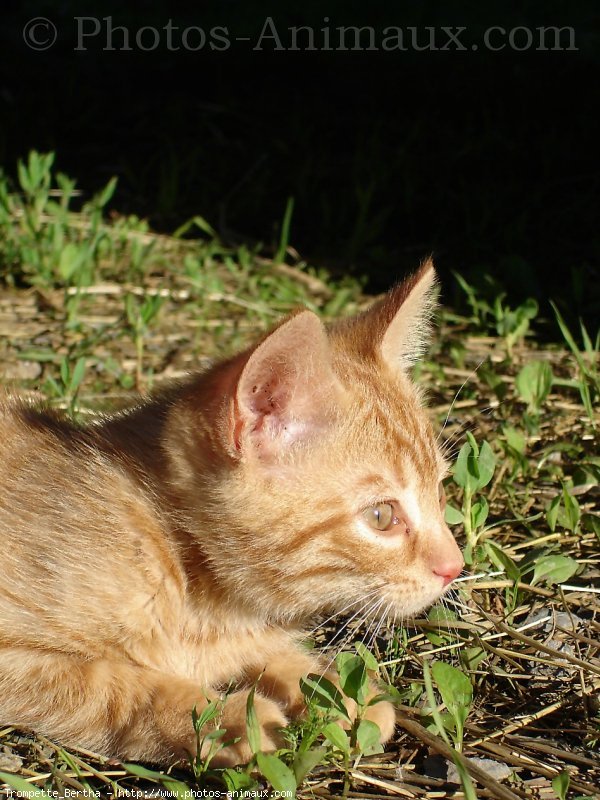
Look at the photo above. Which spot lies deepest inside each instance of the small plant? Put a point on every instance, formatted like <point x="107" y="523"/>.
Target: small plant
<point x="560" y="784"/>
<point x="351" y="737"/>
<point x="588" y="382"/>
<point x="452" y="683"/>
<point x="140" y="313"/>
<point x="39" y="235"/>
<point x="66" y="388"/>
<point x="473" y="470"/>
<point x="457" y="695"/>
<point x="533" y="384"/>
<point x="564" y="510"/>
<point x="512" y="324"/>
<point x="207" y="742"/>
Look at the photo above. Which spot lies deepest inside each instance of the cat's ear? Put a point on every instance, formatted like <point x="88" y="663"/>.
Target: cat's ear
<point x="404" y="316"/>
<point x="285" y="391"/>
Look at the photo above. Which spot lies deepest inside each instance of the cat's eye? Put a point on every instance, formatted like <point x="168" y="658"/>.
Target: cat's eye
<point x="381" y="517"/>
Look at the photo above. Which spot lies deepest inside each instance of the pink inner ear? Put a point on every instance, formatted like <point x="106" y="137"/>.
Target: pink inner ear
<point x="283" y="390"/>
<point x="269" y="401"/>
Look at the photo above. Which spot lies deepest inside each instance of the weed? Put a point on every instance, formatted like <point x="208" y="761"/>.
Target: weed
<point x="140" y="312"/>
<point x="66" y="388"/>
<point x="473" y="470"/>
<point x="512" y="325"/>
<point x="40" y="237"/>
<point x="452" y="682"/>
<point x="533" y="384"/>
<point x="588" y="380"/>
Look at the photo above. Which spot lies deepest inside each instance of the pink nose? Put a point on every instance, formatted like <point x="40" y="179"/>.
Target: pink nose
<point x="448" y="570"/>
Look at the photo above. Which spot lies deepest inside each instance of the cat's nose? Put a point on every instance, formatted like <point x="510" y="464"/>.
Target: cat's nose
<point x="449" y="569"/>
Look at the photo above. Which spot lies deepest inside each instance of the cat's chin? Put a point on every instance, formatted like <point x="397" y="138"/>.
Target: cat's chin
<point x="408" y="607"/>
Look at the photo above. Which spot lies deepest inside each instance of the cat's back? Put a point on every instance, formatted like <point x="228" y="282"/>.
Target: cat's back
<point x="73" y="525"/>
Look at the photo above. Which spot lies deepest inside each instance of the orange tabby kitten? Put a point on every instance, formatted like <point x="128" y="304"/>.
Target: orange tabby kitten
<point x="151" y="558"/>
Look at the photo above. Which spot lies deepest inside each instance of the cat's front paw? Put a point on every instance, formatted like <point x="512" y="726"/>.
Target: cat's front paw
<point x="384" y="714"/>
<point x="271" y="720"/>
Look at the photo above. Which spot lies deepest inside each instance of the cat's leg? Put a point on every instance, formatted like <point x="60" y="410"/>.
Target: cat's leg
<point x="280" y="676"/>
<point x="120" y="709"/>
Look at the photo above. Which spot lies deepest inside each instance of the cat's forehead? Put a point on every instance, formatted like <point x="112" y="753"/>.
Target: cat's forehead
<point x="392" y="440"/>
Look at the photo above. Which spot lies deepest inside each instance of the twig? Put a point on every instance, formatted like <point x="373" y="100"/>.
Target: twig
<point x="414" y="728"/>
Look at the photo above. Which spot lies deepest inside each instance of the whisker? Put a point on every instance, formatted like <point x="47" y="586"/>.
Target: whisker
<point x="374" y="619"/>
<point x="364" y="611"/>
<point x="341" y="611"/>
<point x="380" y="623"/>
<point x="347" y="622"/>
<point x="370" y="608"/>
<point x="453" y="440"/>
<point x="453" y="403"/>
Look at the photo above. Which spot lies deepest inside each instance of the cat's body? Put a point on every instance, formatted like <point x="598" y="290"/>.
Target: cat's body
<point x="151" y="559"/>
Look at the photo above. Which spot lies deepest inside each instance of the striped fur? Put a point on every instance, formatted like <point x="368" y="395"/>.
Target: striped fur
<point x="154" y="557"/>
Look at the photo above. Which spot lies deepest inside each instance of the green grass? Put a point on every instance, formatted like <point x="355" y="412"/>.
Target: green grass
<point x="95" y="308"/>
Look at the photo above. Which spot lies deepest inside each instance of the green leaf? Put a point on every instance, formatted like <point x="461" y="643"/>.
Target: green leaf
<point x="238" y="783"/>
<point x="77" y="374"/>
<point x="368" y="737"/>
<point x="322" y="693"/>
<point x="440" y="614"/>
<point x="176" y="787"/>
<point x="454" y="686"/>
<point x="252" y="723"/>
<point x="554" y="569"/>
<point x="502" y="561"/>
<point x="105" y="194"/>
<point x="486" y="464"/>
<point x="353" y="676"/>
<point x="591" y="522"/>
<point x="22" y="786"/>
<point x="469" y="789"/>
<point x="552" y="512"/>
<point x="515" y="439"/>
<point x="195" y="222"/>
<point x="452" y="515"/>
<point x="560" y="784"/>
<point x="337" y="736"/>
<point x="70" y="261"/>
<point x="277" y="773"/>
<point x="479" y="513"/>
<point x="206" y="715"/>
<point x="305" y="761"/>
<point x="533" y="383"/>
<point x="472" y="657"/>
<point x="367" y="656"/>
<point x="473" y="462"/>
<point x="461" y="469"/>
<point x="572" y="510"/>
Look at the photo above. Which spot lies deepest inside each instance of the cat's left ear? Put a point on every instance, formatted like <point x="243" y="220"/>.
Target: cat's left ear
<point x="404" y="317"/>
<point x="286" y="390"/>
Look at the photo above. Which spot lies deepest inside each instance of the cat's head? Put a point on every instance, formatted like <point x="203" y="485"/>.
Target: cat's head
<point x="333" y="497"/>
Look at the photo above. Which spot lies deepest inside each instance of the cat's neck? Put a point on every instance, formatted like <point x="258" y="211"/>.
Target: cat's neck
<point x="171" y="439"/>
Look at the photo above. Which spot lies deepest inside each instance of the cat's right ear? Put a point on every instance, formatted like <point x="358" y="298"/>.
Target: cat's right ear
<point x="285" y="392"/>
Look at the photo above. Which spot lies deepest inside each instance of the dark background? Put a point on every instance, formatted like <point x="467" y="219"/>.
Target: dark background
<point x="487" y="159"/>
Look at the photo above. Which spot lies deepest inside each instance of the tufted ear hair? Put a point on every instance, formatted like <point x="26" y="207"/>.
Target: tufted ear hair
<point x="406" y="311"/>
<point x="285" y="392"/>
<point x="394" y="329"/>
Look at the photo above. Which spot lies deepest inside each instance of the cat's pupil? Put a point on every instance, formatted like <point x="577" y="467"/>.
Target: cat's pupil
<point x="380" y="516"/>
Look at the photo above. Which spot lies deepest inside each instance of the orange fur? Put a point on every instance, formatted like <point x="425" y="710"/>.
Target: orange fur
<point x="153" y="557"/>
